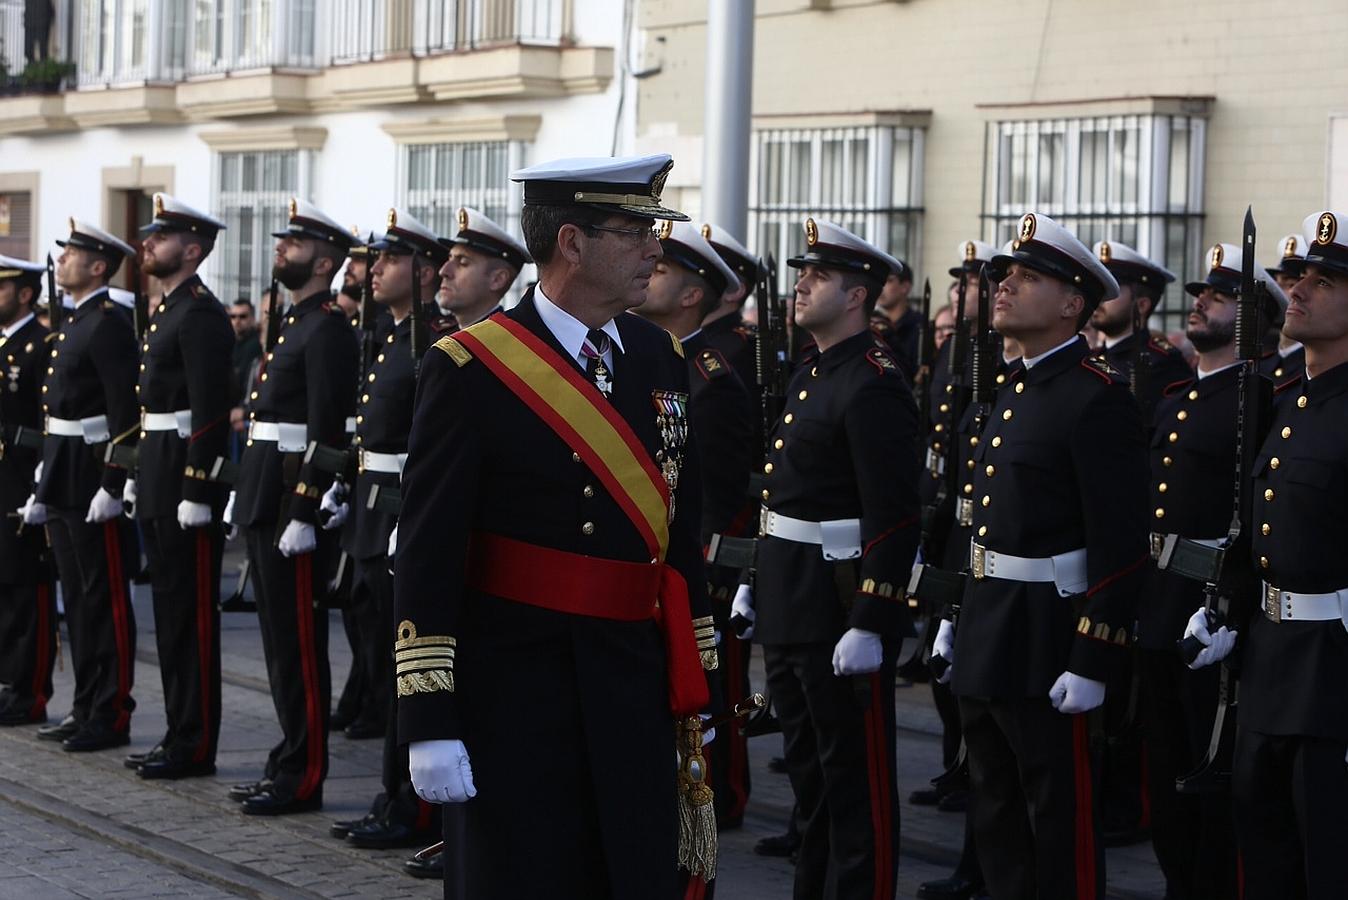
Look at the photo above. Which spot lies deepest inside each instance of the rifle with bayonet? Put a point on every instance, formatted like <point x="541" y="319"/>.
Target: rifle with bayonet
<point x="368" y="319"/>
<point x="926" y="356"/>
<point x="1228" y="591"/>
<point x="1139" y="379"/>
<point x="55" y="308"/>
<point x="140" y="303"/>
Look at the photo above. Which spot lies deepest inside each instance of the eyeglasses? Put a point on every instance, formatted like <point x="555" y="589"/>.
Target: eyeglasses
<point x="643" y="233"/>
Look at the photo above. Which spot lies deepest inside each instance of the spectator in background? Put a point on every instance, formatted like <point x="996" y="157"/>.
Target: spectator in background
<point x="247" y="351"/>
<point x="943" y="325"/>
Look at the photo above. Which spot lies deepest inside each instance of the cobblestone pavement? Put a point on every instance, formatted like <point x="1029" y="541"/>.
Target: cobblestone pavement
<point x="82" y="825"/>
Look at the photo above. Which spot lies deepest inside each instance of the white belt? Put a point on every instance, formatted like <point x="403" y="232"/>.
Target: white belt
<point x="1067" y="571"/>
<point x="94" y="429"/>
<point x="1286" y="606"/>
<point x="179" y="420"/>
<point x="838" y="538"/>
<point x="382" y="462"/>
<point x="350" y="424"/>
<point x="1158" y="542"/>
<point x="290" y="437"/>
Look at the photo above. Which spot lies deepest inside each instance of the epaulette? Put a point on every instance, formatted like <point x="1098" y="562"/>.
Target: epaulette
<point x="454" y="350"/>
<point x="678" y="344"/>
<point x="711" y="364"/>
<point x="1161" y="345"/>
<point x="1175" y="387"/>
<point x="1101" y="369"/>
<point x="881" y="360"/>
<point x="443" y="325"/>
<point x="746" y="332"/>
<point x="1279" y="388"/>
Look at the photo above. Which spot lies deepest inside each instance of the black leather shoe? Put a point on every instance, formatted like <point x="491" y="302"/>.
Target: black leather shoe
<point x="60" y="731"/>
<point x="241" y="792"/>
<point x="168" y="769"/>
<point x="779" y="845"/>
<point x="925" y="797"/>
<point x="383" y="835"/>
<point x="955" y="801"/>
<point x="16" y="715"/>
<point x="342" y="827"/>
<point x="363" y="730"/>
<point x="267" y="803"/>
<point x="432" y="866"/>
<point x="136" y="760"/>
<point x="95" y="737"/>
<point x="956" y="887"/>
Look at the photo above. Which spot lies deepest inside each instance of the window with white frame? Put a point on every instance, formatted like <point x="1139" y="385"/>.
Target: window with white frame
<point x="248" y="34"/>
<point x="439" y="178"/>
<point x="129" y="41"/>
<point x="868" y="179"/>
<point x="253" y="196"/>
<point x="1135" y="179"/>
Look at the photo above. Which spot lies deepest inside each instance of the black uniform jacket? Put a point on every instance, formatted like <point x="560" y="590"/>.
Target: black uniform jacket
<point x="480" y="460"/>
<point x="720" y="413"/>
<point x="737" y="341"/>
<point x="185" y="364"/>
<point x="24" y="357"/>
<point x="309" y="377"/>
<point x="1061" y="465"/>
<point x="92" y="372"/>
<point x="383" y="421"/>
<point x="846" y="447"/>
<point x="945" y="399"/>
<point x="1294" y="675"/>
<point x="1166" y="366"/>
<point x="1283" y="369"/>
<point x="1193" y="468"/>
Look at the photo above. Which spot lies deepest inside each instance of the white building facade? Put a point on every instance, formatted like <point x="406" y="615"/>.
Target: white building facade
<point x="356" y="105"/>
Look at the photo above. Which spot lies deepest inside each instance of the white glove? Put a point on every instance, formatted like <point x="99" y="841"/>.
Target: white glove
<point x="33" y="513"/>
<point x="743" y="606"/>
<point x="103" y="508"/>
<point x="129" y="492"/>
<point x="944" y="647"/>
<point x="193" y="515"/>
<point x="334" y="503"/>
<point x="1073" y="694"/>
<point x="440" y="771"/>
<point x="393" y="542"/>
<point x="859" y="652"/>
<point x="299" y="537"/>
<point x="1216" y="647"/>
<point x="231" y="530"/>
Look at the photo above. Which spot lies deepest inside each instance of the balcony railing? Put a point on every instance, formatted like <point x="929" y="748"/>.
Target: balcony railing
<point x="365" y="30"/>
<point x="34" y="52"/>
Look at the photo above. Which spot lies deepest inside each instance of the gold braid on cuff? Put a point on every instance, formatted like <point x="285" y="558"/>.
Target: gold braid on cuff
<point x="424" y="664"/>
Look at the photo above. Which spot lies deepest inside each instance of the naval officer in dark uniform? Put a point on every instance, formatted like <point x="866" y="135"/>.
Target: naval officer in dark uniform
<point x="551" y="500"/>
<point x="839" y="528"/>
<point x="305" y="391"/>
<point x="27" y="591"/>
<point x="1286" y="362"/>
<point x="185" y="399"/>
<point x="1059" y="546"/>
<point x="89" y="401"/>
<point x="726" y="331"/>
<point x="690" y="279"/>
<point x="1290" y="778"/>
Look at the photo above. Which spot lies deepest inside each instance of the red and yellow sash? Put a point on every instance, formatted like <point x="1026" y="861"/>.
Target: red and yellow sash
<point x="587" y="422"/>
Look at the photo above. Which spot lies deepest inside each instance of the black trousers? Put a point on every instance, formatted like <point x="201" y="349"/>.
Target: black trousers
<point x="371" y="640"/>
<point x="185" y="582"/>
<point x="28" y="645"/>
<point x="1031" y="800"/>
<point x="294" y="626"/>
<point x="840" y="752"/>
<point x="1290" y="794"/>
<point x="1193" y="835"/>
<point x="95" y="563"/>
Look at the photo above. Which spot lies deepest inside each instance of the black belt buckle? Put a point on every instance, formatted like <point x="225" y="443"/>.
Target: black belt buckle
<point x="1190" y="559"/>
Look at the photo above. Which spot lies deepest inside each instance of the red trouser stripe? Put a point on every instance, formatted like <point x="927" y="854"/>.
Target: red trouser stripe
<point x="697" y="888"/>
<point x="738" y="744"/>
<point x="304" y="614"/>
<point x="1085" y="814"/>
<point x="205" y="642"/>
<point x="423" y="815"/>
<point x="877" y="765"/>
<point x="112" y="546"/>
<point x="41" y="661"/>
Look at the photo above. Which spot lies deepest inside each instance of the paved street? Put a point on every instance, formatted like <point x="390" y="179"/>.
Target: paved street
<point x="82" y="825"/>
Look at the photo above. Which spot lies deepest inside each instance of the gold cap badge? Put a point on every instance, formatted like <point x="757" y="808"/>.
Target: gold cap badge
<point x="294" y="207"/>
<point x="1289" y="249"/>
<point x="1027" y="226"/>
<point x="1327" y="228"/>
<point x="463" y="219"/>
<point x="658" y="182"/>
<point x="706" y="232"/>
<point x="1105" y="251"/>
<point x="970" y="251"/>
<point x="666" y="229"/>
<point x="811" y="233"/>
<point x="158" y="205"/>
<point x="392" y="219"/>
<point x="1216" y="256"/>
